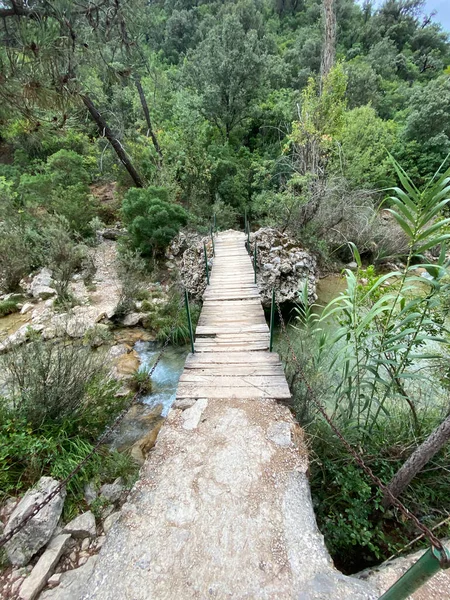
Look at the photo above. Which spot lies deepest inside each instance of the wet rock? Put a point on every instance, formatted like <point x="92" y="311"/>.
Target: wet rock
<point x="127" y="364"/>
<point x="82" y="526"/>
<point x="37" y="579"/>
<point x="112" y="491"/>
<point x="40" y="529"/>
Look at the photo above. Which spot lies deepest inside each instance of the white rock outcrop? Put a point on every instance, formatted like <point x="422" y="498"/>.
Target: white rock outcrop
<point x="38" y="531"/>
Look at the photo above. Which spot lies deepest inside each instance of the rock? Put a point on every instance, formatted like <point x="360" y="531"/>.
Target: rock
<point x="352" y="265"/>
<point x="141" y="448"/>
<point x="72" y="584"/>
<point x="100" y="541"/>
<point x="41" y="285"/>
<point x="109" y="521"/>
<point x="40" y="529"/>
<point x="112" y="233"/>
<point x="112" y="491"/>
<point x="43" y="568"/>
<point x="90" y="493"/>
<point x="82" y="526"/>
<point x="7" y="508"/>
<point x="26" y="308"/>
<point x="133" y="319"/>
<point x="191" y="416"/>
<point x="188" y="256"/>
<point x="127" y="364"/>
<point x="184" y="403"/>
<point x="280" y="433"/>
<point x="54" y="580"/>
<point x="85" y="544"/>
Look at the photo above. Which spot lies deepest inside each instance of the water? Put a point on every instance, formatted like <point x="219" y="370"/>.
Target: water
<point x="144" y="416"/>
<point x="166" y="375"/>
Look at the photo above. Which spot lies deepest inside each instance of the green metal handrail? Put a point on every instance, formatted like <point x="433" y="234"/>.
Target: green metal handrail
<point x="188" y="312"/>
<point x="206" y="263"/>
<point x="272" y="320"/>
<point x="255" y="253"/>
<point x="212" y="241"/>
<point x="419" y="573"/>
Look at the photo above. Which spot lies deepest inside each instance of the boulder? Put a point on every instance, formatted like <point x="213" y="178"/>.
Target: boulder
<point x="82" y="526"/>
<point x="90" y="493"/>
<point x="26" y="308"/>
<point x="72" y="585"/>
<point x="133" y="319"/>
<point x="44" y="567"/>
<point x="29" y="540"/>
<point x="112" y="491"/>
<point x="284" y="265"/>
<point x="41" y="285"/>
<point x="187" y="253"/>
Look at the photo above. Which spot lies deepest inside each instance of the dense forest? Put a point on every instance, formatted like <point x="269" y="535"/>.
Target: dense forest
<point x="298" y="113"/>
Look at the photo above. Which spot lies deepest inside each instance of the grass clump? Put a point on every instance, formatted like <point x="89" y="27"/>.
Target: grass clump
<point x="141" y="382"/>
<point x="7" y="307"/>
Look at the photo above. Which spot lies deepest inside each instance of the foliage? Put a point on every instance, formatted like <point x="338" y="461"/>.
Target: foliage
<point x="141" y="382"/>
<point x="7" y="307"/>
<point x="151" y="219"/>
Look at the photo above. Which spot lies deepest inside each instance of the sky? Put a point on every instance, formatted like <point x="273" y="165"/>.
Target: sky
<point x="442" y="8"/>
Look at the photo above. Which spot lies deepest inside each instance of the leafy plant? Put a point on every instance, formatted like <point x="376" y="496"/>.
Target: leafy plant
<point x="151" y="219"/>
<point x="7" y="307"/>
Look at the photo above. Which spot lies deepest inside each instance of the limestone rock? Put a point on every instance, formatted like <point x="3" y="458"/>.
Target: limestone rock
<point x="109" y="521"/>
<point x="283" y="265"/>
<point x="187" y="253"/>
<point x="72" y="584"/>
<point x="133" y="319"/>
<point x="26" y="308"/>
<point x="112" y="491"/>
<point x="82" y="526"/>
<point x="41" y="285"/>
<point x="90" y="493"/>
<point x="43" y="568"/>
<point x="40" y="529"/>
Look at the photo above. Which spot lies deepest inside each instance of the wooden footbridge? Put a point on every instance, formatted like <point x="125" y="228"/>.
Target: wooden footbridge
<point x="232" y="358"/>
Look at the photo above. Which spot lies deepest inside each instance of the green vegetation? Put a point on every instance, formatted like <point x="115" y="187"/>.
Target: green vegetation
<point x="377" y="372"/>
<point x="7" y="307"/>
<point x="60" y="402"/>
<point x="186" y="110"/>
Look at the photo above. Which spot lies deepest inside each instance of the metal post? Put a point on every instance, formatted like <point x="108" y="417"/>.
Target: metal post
<point x="206" y="263"/>
<point x="254" y="259"/>
<point x="248" y="235"/>
<point x="420" y="572"/>
<point x="272" y="319"/>
<point x="188" y="312"/>
<point x="212" y="240"/>
<point x="245" y="220"/>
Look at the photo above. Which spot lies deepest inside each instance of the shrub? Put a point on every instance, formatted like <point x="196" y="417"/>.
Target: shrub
<point x="15" y="257"/>
<point x="151" y="219"/>
<point x="67" y="168"/>
<point x="141" y="382"/>
<point x="7" y="307"/>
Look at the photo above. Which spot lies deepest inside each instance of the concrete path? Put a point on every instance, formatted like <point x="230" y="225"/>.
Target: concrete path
<point x="222" y="509"/>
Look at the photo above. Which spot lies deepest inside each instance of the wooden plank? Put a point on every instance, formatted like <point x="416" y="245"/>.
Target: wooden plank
<point x="197" y="391"/>
<point x="229" y="381"/>
<point x="234" y="358"/>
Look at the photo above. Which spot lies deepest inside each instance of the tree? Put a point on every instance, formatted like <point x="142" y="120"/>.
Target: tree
<point x="329" y="41"/>
<point x="418" y="459"/>
<point x="151" y="219"/>
<point x="226" y="71"/>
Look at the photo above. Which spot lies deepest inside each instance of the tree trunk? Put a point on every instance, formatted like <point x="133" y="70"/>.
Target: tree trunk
<point x="418" y="459"/>
<point x="118" y="148"/>
<point x="147" y="118"/>
<point x="329" y="42"/>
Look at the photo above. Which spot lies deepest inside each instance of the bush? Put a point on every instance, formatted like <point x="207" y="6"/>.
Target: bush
<point x="15" y="256"/>
<point x="8" y="307"/>
<point x="141" y="382"/>
<point x="151" y="219"/>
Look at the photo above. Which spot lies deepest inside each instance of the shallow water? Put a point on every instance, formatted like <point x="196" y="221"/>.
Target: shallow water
<point x="143" y="417"/>
<point x="11" y="323"/>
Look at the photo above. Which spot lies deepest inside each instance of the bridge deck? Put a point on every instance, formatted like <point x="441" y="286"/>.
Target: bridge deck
<point x="232" y="358"/>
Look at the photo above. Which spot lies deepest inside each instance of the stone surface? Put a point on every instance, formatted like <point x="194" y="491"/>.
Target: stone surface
<point x="26" y="308"/>
<point x="284" y="265"/>
<point x="221" y="511"/>
<point x="112" y="491"/>
<point x="191" y="416"/>
<point x="40" y="529"/>
<point x="109" y="521"/>
<point x="37" y="579"/>
<point x="187" y="252"/>
<point x="133" y="319"/>
<point x="82" y="526"/>
<point x="90" y="492"/>
<point x="41" y="285"/>
<point x="72" y="583"/>
<point x="384" y="576"/>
